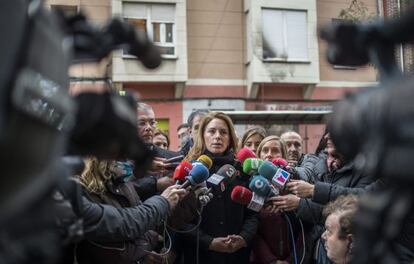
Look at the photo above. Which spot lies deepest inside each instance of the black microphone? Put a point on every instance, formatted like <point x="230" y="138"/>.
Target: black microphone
<point x="223" y="176"/>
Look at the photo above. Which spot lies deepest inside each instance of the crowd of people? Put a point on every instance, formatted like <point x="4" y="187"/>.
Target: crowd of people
<point x="309" y="221"/>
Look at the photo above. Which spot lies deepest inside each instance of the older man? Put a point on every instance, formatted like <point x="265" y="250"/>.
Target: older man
<point x="294" y="147"/>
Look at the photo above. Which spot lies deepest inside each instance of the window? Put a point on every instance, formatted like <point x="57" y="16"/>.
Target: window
<point x="69" y="10"/>
<point x="285" y="35"/>
<point x="158" y="20"/>
<point x="336" y="66"/>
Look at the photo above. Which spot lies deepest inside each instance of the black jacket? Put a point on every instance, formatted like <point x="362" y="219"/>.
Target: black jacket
<point x="221" y="217"/>
<point x="127" y="251"/>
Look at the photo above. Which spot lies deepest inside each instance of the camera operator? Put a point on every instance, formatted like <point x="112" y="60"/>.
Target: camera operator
<point x="341" y="173"/>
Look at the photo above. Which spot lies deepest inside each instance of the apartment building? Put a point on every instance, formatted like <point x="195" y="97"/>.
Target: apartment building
<point x="231" y="55"/>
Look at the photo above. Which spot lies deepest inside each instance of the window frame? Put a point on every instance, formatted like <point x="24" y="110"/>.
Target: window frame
<point x="150" y="30"/>
<point x="285" y="40"/>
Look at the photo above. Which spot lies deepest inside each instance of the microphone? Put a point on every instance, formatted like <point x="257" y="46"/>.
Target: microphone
<point x="182" y="171"/>
<point x="244" y="196"/>
<point x="261" y="186"/>
<point x="223" y="176"/>
<point x="244" y="154"/>
<point x="275" y="175"/>
<point x="251" y="166"/>
<point x="204" y="160"/>
<point x="282" y="163"/>
<point x="197" y="175"/>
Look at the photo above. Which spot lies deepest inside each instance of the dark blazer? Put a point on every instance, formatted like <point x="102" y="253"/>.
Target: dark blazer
<point x="221" y="217"/>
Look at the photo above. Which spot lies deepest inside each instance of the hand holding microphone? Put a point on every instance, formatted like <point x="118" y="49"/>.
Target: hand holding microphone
<point x="173" y="194"/>
<point x="301" y="188"/>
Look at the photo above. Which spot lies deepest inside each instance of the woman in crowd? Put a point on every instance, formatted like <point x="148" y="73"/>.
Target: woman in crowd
<point x="338" y="235"/>
<point x="227" y="229"/>
<point x="108" y="182"/>
<point x="252" y="138"/>
<point x="161" y="139"/>
<point x="272" y="243"/>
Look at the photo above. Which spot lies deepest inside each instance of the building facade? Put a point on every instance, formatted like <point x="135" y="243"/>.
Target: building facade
<point x="230" y="55"/>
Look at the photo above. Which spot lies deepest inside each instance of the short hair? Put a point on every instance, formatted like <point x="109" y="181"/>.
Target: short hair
<point x="290" y="131"/>
<point x="183" y="125"/>
<point x="345" y="207"/>
<point x="144" y="107"/>
<point x="158" y="131"/>
<point x="193" y="114"/>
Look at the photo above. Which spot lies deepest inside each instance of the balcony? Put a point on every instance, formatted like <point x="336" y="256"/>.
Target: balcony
<point x="165" y="23"/>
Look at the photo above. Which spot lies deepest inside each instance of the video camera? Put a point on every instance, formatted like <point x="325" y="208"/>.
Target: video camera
<point x="375" y="127"/>
<point x="40" y="122"/>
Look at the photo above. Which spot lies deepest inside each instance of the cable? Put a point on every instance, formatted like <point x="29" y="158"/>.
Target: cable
<point x="292" y="237"/>
<point x="192" y="229"/>
<point x="303" y="240"/>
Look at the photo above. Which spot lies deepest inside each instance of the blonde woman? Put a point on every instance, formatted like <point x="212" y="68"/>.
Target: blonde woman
<point x="109" y="182"/>
<point x="272" y="243"/>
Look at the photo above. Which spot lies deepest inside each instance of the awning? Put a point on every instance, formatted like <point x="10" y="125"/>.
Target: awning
<point x="278" y="117"/>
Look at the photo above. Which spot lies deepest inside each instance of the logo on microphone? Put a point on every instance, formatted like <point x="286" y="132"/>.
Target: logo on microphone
<point x="255" y="164"/>
<point x="281" y="177"/>
<point x="259" y="184"/>
<point x="230" y="172"/>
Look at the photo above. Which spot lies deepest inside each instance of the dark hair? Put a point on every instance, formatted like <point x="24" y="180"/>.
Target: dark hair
<point x="198" y="112"/>
<point x="322" y="143"/>
<point x="345" y="207"/>
<point x="183" y="125"/>
<point x="158" y="131"/>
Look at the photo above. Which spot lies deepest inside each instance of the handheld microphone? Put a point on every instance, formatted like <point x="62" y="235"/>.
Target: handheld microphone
<point x="244" y="154"/>
<point x="223" y="176"/>
<point x="275" y="175"/>
<point x="261" y="186"/>
<point x="197" y="175"/>
<point x="204" y="160"/>
<point x="182" y="171"/>
<point x="244" y="196"/>
<point x="251" y="166"/>
<point x="174" y="159"/>
<point x="282" y="163"/>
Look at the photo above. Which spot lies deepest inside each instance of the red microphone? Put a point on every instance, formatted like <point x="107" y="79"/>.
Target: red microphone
<point x="244" y="154"/>
<point x="280" y="162"/>
<point x="244" y="196"/>
<point x="182" y="171"/>
<point x="241" y="195"/>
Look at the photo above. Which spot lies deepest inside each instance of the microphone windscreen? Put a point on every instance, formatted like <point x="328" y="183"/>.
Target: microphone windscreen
<point x="251" y="166"/>
<point x="206" y="160"/>
<point x="198" y="174"/>
<point x="182" y="171"/>
<point x="241" y="195"/>
<point x="267" y="170"/>
<point x="227" y="171"/>
<point x="280" y="162"/>
<point x="244" y="154"/>
<point x="260" y="186"/>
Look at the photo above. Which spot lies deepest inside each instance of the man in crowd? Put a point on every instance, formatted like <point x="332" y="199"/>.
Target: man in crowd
<point x="193" y="122"/>
<point x="183" y="134"/>
<point x="294" y="147"/>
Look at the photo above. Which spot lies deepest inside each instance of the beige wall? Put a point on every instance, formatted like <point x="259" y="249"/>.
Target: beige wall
<point x="326" y="11"/>
<point x="171" y="70"/>
<point x="98" y="11"/>
<point x="215" y="39"/>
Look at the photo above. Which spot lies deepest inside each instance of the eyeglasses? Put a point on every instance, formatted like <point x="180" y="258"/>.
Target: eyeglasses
<point x="150" y="122"/>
